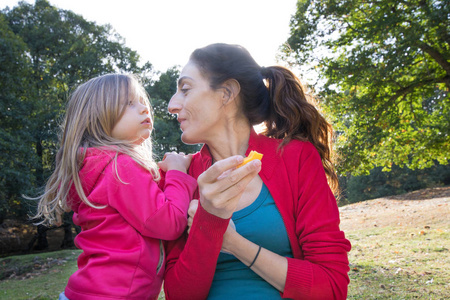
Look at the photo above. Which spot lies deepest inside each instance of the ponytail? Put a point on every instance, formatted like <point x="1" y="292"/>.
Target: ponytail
<point x="294" y="115"/>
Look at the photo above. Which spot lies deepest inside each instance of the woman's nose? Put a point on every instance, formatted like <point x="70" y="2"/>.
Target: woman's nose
<point x="174" y="105"/>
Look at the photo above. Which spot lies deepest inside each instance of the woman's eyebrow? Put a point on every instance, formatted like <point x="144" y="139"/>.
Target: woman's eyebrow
<point x="181" y="79"/>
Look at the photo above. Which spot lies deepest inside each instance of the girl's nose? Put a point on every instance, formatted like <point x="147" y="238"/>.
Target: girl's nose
<point x="174" y="106"/>
<point x="144" y="109"/>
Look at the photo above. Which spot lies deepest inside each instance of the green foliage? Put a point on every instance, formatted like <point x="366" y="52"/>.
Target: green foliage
<point x="386" y="72"/>
<point x="166" y="128"/>
<point x="398" y="181"/>
<point x="14" y="118"/>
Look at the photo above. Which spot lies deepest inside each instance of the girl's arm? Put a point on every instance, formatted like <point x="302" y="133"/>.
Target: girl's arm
<point x="145" y="206"/>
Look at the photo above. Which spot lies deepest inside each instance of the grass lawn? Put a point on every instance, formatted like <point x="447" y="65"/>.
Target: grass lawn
<point x="388" y="260"/>
<point x="399" y="263"/>
<point x="36" y="276"/>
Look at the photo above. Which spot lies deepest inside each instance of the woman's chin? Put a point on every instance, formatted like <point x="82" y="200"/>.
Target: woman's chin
<point x="188" y="140"/>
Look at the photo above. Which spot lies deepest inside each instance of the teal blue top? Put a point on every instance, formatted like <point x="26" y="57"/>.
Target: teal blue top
<point x="262" y="224"/>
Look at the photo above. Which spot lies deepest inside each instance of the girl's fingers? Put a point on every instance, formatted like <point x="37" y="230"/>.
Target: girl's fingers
<point x="193" y="206"/>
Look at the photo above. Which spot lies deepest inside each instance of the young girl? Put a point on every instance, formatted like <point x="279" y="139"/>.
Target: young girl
<point x="105" y="174"/>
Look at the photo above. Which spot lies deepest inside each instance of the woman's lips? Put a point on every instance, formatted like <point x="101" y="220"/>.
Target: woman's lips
<point x="181" y="122"/>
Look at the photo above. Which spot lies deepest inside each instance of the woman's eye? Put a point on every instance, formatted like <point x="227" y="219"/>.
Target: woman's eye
<point x="130" y="102"/>
<point x="184" y="88"/>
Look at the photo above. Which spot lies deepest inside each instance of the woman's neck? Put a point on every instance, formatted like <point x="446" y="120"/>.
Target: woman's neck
<point x="231" y="141"/>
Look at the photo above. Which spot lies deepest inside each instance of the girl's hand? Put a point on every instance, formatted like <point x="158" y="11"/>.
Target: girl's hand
<point x="222" y="185"/>
<point x="175" y="161"/>
<point x="193" y="206"/>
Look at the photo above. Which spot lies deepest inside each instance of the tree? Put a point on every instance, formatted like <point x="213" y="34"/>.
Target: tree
<point x="14" y="82"/>
<point x="398" y="181"/>
<point x="386" y="72"/>
<point x="167" y="130"/>
<point x="58" y="49"/>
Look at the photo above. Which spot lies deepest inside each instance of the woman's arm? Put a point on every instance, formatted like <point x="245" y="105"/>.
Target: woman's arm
<point x="269" y="265"/>
<point x="191" y="261"/>
<point x="321" y="271"/>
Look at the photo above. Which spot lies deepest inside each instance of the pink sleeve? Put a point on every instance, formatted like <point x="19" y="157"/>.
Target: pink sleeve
<point x="152" y="212"/>
<point x="191" y="264"/>
<point x="323" y="271"/>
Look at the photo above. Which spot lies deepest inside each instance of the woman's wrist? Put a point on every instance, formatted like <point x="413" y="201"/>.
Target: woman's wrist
<point x="209" y="222"/>
<point x="256" y="257"/>
<point x="220" y="213"/>
<point x="234" y="243"/>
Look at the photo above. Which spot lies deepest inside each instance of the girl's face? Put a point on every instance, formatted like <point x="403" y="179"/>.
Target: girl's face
<point x="198" y="107"/>
<point x="135" y="125"/>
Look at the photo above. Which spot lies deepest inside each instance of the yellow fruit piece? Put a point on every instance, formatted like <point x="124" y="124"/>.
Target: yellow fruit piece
<point x="251" y="156"/>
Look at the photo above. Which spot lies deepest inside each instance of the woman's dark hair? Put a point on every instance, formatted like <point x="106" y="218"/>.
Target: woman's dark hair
<point x="273" y="96"/>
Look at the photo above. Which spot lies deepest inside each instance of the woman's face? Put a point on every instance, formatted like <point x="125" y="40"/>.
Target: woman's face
<point x="198" y="107"/>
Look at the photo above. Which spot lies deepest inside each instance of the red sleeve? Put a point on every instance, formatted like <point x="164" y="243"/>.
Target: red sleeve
<point x="322" y="273"/>
<point x="152" y="212"/>
<point x="191" y="263"/>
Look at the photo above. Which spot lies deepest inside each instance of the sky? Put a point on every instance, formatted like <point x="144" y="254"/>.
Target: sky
<point x="165" y="32"/>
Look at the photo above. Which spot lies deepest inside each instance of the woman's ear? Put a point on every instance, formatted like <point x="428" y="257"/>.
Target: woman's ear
<point x="231" y="89"/>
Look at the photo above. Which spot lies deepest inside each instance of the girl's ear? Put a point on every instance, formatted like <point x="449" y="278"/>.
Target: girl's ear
<point x="231" y="89"/>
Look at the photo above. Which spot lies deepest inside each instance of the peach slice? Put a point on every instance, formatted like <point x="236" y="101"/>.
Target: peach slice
<point x="251" y="156"/>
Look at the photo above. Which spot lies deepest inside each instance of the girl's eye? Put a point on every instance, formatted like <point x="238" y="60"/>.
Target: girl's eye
<point x="130" y="102"/>
<point x="184" y="91"/>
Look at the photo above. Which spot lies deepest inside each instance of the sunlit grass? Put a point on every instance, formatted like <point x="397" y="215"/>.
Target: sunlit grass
<point x="37" y="276"/>
<point x="386" y="263"/>
<point x="399" y="263"/>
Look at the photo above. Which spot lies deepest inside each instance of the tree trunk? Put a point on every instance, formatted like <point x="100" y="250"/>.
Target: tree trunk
<point x="39" y="166"/>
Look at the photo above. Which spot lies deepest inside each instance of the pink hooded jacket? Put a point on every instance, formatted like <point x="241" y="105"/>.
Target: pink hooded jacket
<point x="123" y="257"/>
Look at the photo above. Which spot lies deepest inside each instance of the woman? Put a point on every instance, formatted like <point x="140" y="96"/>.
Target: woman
<point x="287" y="242"/>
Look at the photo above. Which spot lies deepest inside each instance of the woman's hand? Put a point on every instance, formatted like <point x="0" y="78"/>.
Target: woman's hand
<point x="193" y="206"/>
<point x="222" y="185"/>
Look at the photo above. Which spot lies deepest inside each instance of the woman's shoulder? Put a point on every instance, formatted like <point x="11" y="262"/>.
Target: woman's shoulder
<point x="293" y="147"/>
<point x="303" y="146"/>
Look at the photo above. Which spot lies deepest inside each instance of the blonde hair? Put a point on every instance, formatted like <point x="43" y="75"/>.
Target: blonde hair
<point x="92" y="111"/>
